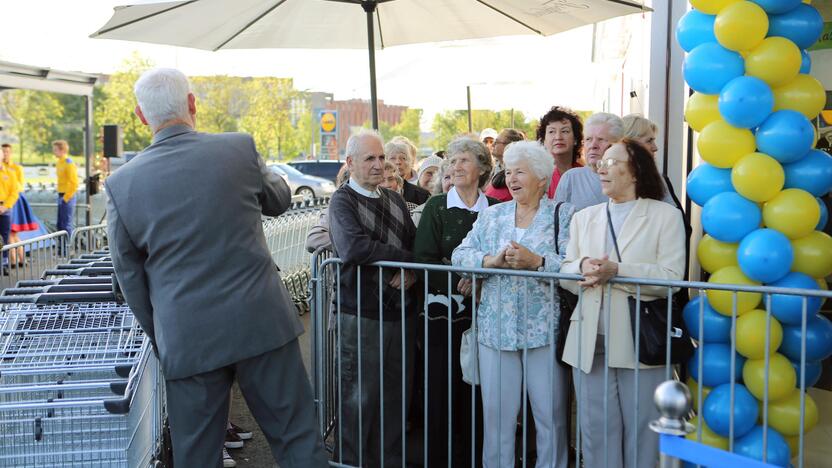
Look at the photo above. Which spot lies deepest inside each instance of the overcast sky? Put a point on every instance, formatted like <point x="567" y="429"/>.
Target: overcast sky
<point x="527" y="73"/>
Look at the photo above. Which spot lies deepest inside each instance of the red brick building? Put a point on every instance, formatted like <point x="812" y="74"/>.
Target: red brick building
<point x="353" y="113"/>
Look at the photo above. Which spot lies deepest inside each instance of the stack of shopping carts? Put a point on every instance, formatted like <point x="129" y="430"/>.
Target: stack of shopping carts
<point x="79" y="383"/>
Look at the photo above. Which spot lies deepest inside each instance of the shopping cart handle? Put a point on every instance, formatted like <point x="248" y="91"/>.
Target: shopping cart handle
<point x="84" y="280"/>
<point x="53" y="298"/>
<point x="86" y="271"/>
<point x="72" y="266"/>
<point x="118" y="387"/>
<point x="120" y="406"/>
<point x="57" y="288"/>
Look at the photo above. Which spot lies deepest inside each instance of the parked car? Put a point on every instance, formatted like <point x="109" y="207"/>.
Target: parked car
<point x="326" y="169"/>
<point x="305" y="185"/>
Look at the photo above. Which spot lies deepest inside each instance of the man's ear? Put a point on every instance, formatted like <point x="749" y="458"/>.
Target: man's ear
<point x="191" y="104"/>
<point x="140" y="115"/>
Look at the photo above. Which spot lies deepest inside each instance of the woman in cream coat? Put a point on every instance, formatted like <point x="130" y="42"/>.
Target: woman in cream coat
<point x="651" y="240"/>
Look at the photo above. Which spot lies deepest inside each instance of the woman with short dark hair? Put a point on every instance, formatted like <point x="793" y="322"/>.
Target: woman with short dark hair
<point x="633" y="235"/>
<point x="561" y="133"/>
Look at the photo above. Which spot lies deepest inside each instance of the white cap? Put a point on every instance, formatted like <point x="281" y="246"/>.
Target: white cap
<point x="488" y="133"/>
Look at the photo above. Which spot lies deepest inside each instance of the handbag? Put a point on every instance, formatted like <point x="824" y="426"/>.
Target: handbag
<point x="468" y="358"/>
<point x="568" y="300"/>
<point x="653" y="325"/>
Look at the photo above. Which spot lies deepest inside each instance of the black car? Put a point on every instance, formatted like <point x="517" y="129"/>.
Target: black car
<point x="326" y="169"/>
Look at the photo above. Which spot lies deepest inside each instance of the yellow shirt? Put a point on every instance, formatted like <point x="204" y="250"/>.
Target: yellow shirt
<point x="67" y="177"/>
<point x="18" y="172"/>
<point x="8" y="187"/>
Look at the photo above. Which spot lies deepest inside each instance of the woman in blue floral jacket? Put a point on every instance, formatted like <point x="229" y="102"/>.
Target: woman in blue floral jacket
<point x="517" y="317"/>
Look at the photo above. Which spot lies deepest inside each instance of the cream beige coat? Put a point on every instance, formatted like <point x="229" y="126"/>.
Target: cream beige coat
<point x="652" y="243"/>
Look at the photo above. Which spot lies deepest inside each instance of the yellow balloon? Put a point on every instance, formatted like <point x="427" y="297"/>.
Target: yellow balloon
<point x="793" y="212"/>
<point x="776" y="61"/>
<point x="701" y="110"/>
<point x="758" y="177"/>
<point x="741" y="26"/>
<point x="813" y="254"/>
<point x="793" y="442"/>
<point x="714" y="255"/>
<point x="722" y="144"/>
<point x="824" y="286"/>
<point x="784" y="415"/>
<point x="709" y="437"/>
<point x="722" y="301"/>
<point x="751" y="335"/>
<point x="804" y="94"/>
<point x="711" y="7"/>
<point x="694" y="391"/>
<point x="781" y="377"/>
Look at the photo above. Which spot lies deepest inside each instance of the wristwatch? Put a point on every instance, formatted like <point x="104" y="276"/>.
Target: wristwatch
<point x="542" y="266"/>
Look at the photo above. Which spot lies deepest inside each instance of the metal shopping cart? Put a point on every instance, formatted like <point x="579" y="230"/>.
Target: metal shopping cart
<point x="79" y="383"/>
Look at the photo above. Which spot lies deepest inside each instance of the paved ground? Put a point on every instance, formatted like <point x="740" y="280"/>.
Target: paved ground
<point x="256" y="452"/>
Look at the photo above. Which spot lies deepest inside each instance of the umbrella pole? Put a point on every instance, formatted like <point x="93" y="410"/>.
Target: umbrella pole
<point x="370" y="8"/>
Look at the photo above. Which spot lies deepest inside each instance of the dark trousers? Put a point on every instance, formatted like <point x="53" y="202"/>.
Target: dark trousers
<point x="374" y="390"/>
<point x="454" y="418"/>
<point x="65" y="212"/>
<point x="278" y="393"/>
<point x="5" y="232"/>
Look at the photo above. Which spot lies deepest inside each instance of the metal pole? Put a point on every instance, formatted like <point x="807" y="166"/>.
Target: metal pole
<point x="673" y="400"/>
<point x="470" y="126"/>
<point x="89" y="145"/>
<point x="370" y="8"/>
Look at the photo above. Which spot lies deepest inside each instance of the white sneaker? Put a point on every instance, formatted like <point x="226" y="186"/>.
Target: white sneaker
<point x="227" y="461"/>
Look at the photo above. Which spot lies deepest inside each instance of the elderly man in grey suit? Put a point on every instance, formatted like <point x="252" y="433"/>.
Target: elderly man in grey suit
<point x="184" y="225"/>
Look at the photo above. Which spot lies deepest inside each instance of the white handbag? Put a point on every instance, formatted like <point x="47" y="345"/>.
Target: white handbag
<point x="468" y="358"/>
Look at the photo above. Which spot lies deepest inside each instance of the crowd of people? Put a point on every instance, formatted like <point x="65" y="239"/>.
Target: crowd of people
<point x="584" y="197"/>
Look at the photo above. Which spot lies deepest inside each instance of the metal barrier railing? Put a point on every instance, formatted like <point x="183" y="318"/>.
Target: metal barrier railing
<point x="357" y="421"/>
<point x="88" y="239"/>
<point x="33" y="256"/>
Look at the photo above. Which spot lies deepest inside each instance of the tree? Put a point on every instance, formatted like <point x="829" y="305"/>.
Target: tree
<point x="219" y="102"/>
<point x="33" y="115"/>
<point x="267" y="115"/>
<point x="117" y="103"/>
<point x="450" y="124"/>
<point x="408" y="125"/>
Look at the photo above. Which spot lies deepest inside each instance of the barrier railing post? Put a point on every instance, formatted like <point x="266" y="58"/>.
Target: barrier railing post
<point x="673" y="400"/>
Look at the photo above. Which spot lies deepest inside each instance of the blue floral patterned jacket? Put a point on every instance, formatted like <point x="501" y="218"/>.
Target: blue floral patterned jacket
<point x="515" y="312"/>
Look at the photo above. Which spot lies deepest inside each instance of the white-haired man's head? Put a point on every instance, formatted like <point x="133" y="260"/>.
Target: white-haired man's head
<point x="164" y="98"/>
<point x="365" y="158"/>
<point x="601" y="130"/>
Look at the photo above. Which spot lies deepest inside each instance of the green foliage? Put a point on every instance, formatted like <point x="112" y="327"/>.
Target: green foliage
<point x="219" y="102"/>
<point x="33" y="114"/>
<point x="117" y="103"/>
<point x="450" y="124"/>
<point x="408" y="126"/>
<point x="266" y="116"/>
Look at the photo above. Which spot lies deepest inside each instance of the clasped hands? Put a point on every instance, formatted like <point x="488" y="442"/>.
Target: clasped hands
<point x="513" y="256"/>
<point x="407" y="281"/>
<point x="597" y="271"/>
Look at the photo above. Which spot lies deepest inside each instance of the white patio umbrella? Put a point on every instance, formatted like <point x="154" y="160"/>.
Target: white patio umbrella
<point x="341" y="24"/>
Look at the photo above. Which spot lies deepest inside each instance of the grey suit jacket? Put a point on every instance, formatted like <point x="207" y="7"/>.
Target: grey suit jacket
<point x="185" y="234"/>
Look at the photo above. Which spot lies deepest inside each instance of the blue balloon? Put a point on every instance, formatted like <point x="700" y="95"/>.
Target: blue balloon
<point x="824" y="216"/>
<point x="729" y="217"/>
<point x="751" y="445"/>
<point x="775" y="7"/>
<point x="813" y="371"/>
<point x="717" y="327"/>
<point x="717" y="410"/>
<point x="786" y="136"/>
<point x="709" y="67"/>
<point x="812" y="173"/>
<point x="746" y="102"/>
<point x="765" y="255"/>
<point x="716" y="364"/>
<point x="806" y="62"/>
<point x="802" y="25"/>
<point x="706" y="181"/>
<point x="695" y="28"/>
<point x="818" y="339"/>
<point x="787" y="308"/>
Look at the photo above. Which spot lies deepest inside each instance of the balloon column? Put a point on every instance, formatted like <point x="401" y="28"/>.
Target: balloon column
<point x="752" y="104"/>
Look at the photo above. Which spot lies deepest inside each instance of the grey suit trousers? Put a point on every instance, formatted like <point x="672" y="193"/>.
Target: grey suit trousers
<point x="629" y="442"/>
<point x="278" y="393"/>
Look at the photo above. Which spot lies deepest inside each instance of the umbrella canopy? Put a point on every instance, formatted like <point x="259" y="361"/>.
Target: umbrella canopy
<point x="349" y="24"/>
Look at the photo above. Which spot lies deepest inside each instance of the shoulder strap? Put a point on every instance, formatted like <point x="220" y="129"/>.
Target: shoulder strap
<point x="612" y="231"/>
<point x="557" y="226"/>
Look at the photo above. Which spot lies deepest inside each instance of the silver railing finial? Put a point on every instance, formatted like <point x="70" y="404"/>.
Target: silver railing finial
<point x="673" y="400"/>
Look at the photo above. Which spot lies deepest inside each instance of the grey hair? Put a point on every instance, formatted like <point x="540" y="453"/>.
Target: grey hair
<point x="162" y="94"/>
<point x="466" y="144"/>
<point x="612" y="121"/>
<point x="436" y="183"/>
<point x="398" y="147"/>
<point x="637" y="126"/>
<point x="535" y="155"/>
<point x="354" y="142"/>
<point x="411" y="148"/>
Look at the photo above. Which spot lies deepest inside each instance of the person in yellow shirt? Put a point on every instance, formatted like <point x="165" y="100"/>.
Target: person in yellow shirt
<point x="8" y="197"/>
<point x="22" y="217"/>
<point x="67" y="185"/>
